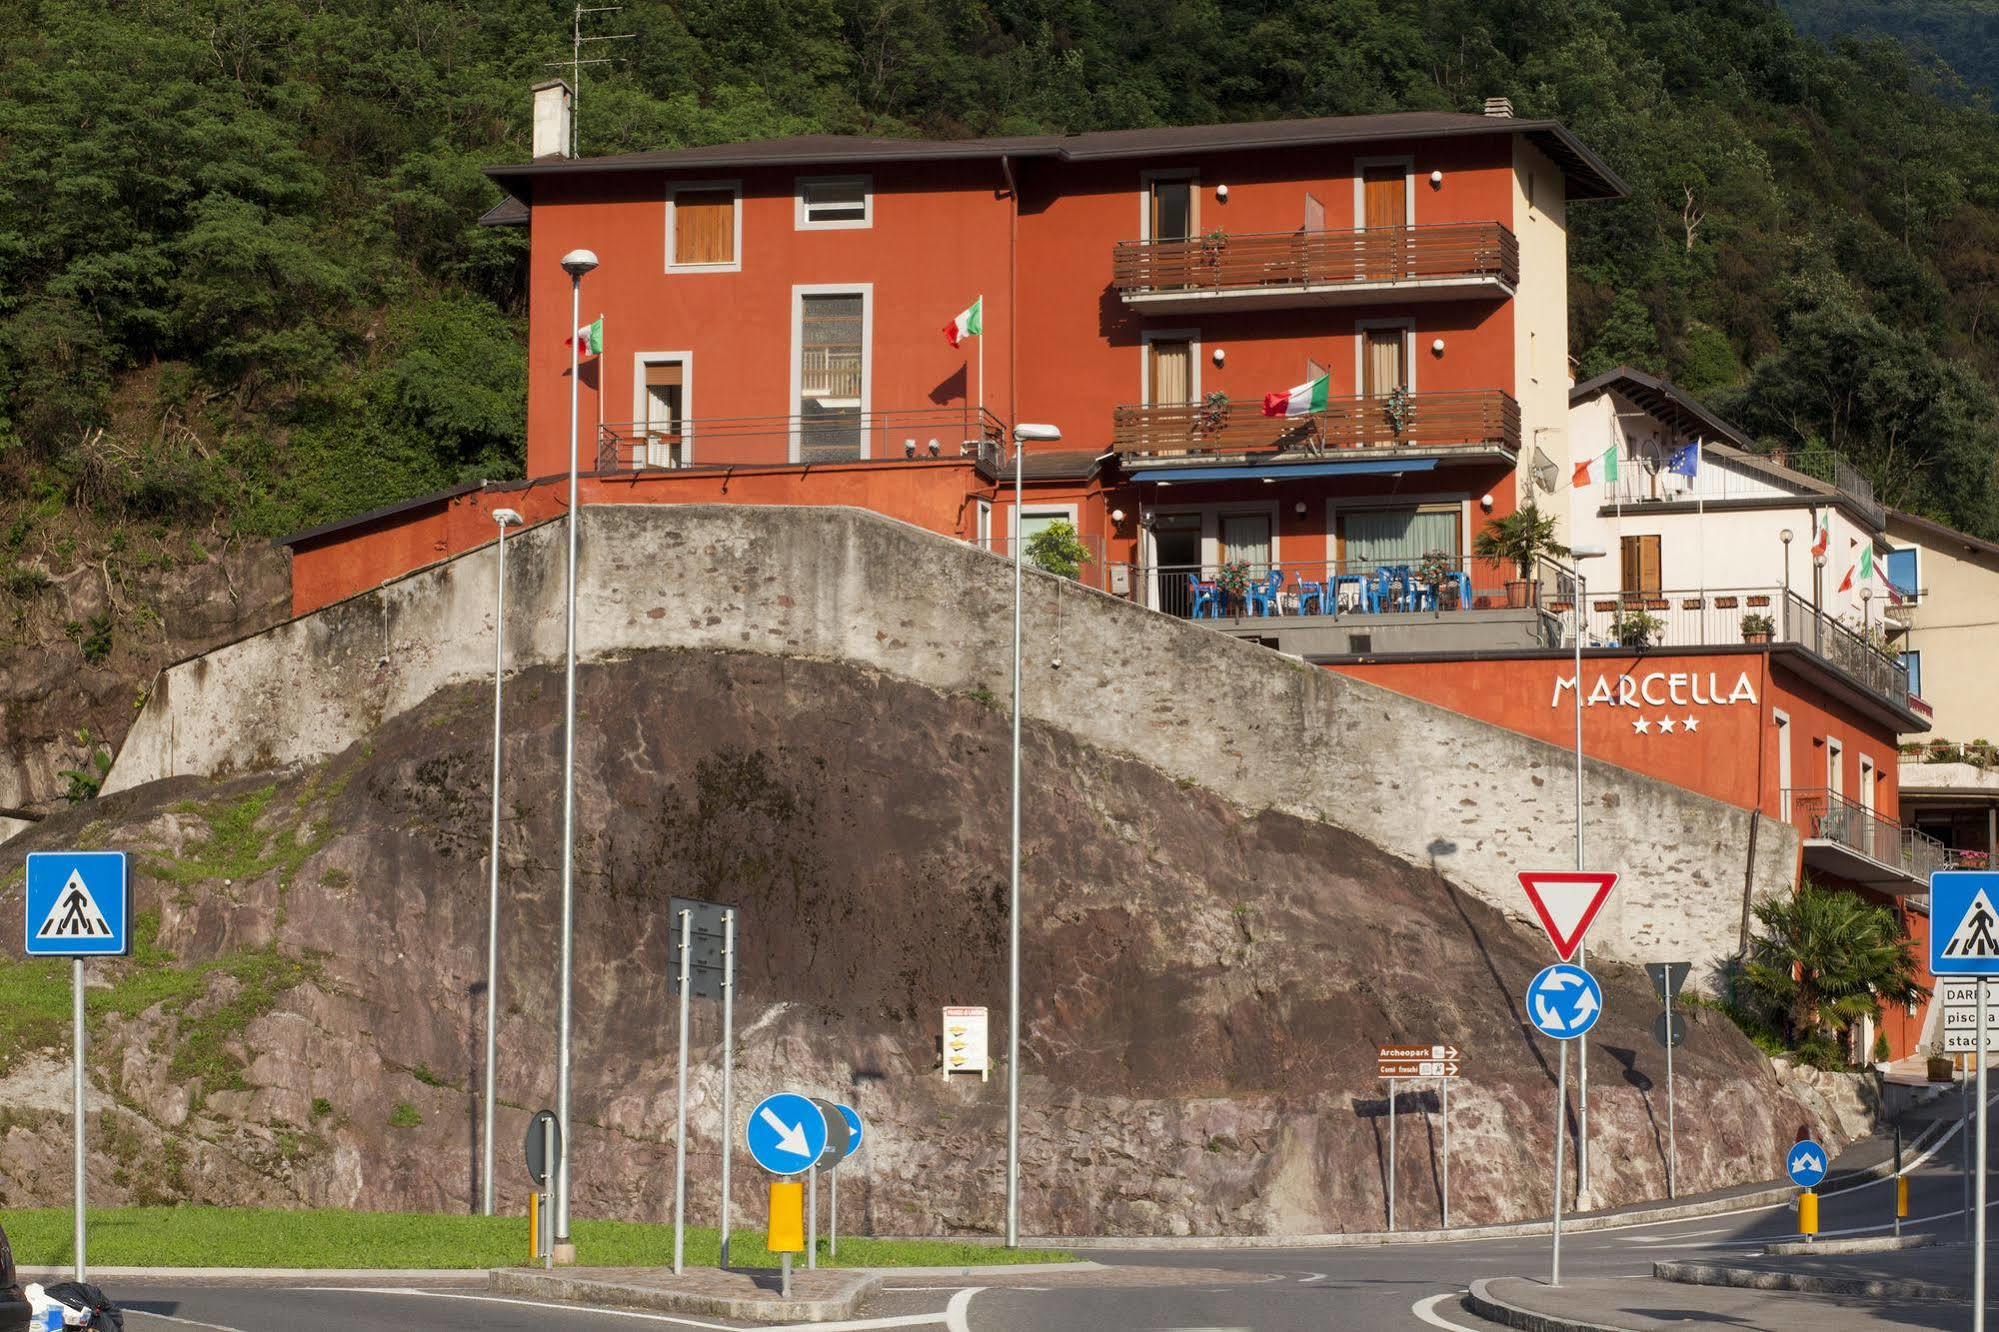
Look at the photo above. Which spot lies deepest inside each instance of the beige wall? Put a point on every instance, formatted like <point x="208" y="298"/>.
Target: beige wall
<point x="1541" y="322"/>
<point x="1955" y="625"/>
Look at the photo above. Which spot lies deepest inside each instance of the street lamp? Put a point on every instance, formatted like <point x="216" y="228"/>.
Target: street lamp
<point x="1579" y="554"/>
<point x="1023" y="434"/>
<point x="1785" y="537"/>
<point x="576" y="263"/>
<point x="502" y="517"/>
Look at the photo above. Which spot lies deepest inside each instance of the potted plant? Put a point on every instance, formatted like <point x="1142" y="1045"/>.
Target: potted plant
<point x="1233" y="579"/>
<point x="1634" y="628"/>
<point x="1757" y="628"/>
<point x="1433" y="571"/>
<point x="1399" y="409"/>
<point x="1212" y="246"/>
<point x="1939" y="1067"/>
<point x="1212" y="415"/>
<point x="1521" y="538"/>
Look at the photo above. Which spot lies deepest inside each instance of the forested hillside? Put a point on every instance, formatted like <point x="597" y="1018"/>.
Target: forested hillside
<point x="241" y="288"/>
<point x="1962" y="33"/>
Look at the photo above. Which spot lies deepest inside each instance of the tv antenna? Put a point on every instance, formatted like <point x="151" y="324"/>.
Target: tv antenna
<point x="577" y="60"/>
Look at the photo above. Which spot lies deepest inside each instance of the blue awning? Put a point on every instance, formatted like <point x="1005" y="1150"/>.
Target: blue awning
<point x="1289" y="471"/>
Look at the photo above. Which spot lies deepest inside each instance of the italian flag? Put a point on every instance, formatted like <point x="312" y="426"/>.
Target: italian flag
<point x="1298" y="401"/>
<point x="589" y="338"/>
<point x="1865" y="568"/>
<point x="968" y="323"/>
<point x="1824" y="537"/>
<point x="1604" y="465"/>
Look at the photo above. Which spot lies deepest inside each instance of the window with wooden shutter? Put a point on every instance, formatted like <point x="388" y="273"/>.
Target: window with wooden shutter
<point x="1640" y="565"/>
<point x="704" y="227"/>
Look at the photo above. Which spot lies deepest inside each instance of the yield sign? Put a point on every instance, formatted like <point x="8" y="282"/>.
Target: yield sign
<point x="1566" y="901"/>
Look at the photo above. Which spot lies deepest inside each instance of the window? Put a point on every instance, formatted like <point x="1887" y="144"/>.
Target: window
<point x="704" y="226"/>
<point x="830" y="374"/>
<point x="1381" y="357"/>
<point x="1867" y="783"/>
<point x="1912" y="662"/>
<point x="1783" y="724"/>
<point x="663" y="412"/>
<point x="1171" y="371"/>
<point x="1169" y="206"/>
<point x="1369" y="538"/>
<point x="1835" y="767"/>
<point x="1905" y="573"/>
<point x="835" y="203"/>
<point x="1639" y="575"/>
<point x="1246" y="540"/>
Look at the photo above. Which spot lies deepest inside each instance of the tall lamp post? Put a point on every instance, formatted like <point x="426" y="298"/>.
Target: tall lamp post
<point x="1023" y="434"/>
<point x="1785" y="537"/>
<point x="1579" y="554"/>
<point x="503" y="517"/>
<point x="576" y="263"/>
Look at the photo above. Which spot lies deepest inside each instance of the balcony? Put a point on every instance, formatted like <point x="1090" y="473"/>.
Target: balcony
<point x="1285" y="270"/>
<point x="1853" y="842"/>
<point x="830" y="435"/>
<point x="1712" y="617"/>
<point x="1483" y="425"/>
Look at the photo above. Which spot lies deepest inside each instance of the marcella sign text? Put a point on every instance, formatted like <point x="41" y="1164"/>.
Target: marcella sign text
<point x="1660" y="689"/>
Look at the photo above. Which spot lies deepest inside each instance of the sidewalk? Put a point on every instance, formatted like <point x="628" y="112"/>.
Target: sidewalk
<point x="1644" y="1304"/>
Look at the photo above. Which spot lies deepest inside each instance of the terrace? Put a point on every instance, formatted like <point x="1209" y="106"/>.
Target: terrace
<point x="1479" y="425"/>
<point x="831" y="436"/>
<point x="1847" y="839"/>
<point x="1278" y="270"/>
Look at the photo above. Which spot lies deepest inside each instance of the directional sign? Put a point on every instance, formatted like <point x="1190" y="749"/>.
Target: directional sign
<point x="704" y="961"/>
<point x="965" y="1048"/>
<point x="1567" y="902"/>
<point x="1964" y="924"/>
<point x="786" y="1133"/>
<point x="1667" y="978"/>
<point x="1675" y="1035"/>
<point x="77" y="904"/>
<point x="532" y="1148"/>
<point x="1964" y="1040"/>
<point x="1564" y="1001"/>
<point x="1416" y="1061"/>
<point x="837" y="1134"/>
<point x="854" y="1128"/>
<point x="1806" y="1164"/>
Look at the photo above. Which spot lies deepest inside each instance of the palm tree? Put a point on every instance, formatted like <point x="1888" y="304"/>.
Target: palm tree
<point x="1825" y="959"/>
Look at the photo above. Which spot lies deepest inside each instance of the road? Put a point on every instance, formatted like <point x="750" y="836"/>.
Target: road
<point x="1193" y="1289"/>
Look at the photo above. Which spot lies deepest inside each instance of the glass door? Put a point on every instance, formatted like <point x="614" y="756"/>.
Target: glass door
<point x="832" y="354"/>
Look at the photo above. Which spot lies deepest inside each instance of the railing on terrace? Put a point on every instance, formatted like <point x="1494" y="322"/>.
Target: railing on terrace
<point x="1320" y="587"/>
<point x="1639" y="482"/>
<point x="1827" y="816"/>
<point x="1488" y="418"/>
<point x="1229" y="262"/>
<point x="838" y="435"/>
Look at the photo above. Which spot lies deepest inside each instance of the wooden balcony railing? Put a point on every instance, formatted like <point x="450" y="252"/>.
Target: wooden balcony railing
<point x="1489" y="418"/>
<point x="1317" y="258"/>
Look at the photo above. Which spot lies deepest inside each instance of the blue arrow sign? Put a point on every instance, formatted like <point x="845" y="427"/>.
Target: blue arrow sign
<point x="853" y="1119"/>
<point x="1564" y="1001"/>
<point x="1964" y="923"/>
<point x="1806" y="1164"/>
<point x="77" y="904"/>
<point x="786" y="1133"/>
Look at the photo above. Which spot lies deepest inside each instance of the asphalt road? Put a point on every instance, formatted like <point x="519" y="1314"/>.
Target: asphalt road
<point x="1182" y="1290"/>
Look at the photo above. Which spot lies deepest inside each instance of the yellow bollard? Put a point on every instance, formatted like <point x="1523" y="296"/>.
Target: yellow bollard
<point x="534" y="1224"/>
<point x="1901" y="1196"/>
<point x="787" y="1225"/>
<point x="1808" y="1214"/>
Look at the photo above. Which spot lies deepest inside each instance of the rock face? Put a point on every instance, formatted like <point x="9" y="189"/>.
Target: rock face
<point x="1204" y="985"/>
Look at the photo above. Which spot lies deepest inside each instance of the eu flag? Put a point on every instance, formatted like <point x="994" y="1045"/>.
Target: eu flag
<point x="1686" y="461"/>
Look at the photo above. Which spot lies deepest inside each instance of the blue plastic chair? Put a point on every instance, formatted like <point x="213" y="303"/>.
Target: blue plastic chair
<point x="1206" y="599"/>
<point x="1363" y="590"/>
<point x="1263" y="595"/>
<point x="1309" y="592"/>
<point x="1383" y="587"/>
<point x="1463" y="580"/>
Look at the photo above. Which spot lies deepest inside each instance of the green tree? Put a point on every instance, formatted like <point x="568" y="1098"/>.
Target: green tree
<point x="1823" y="959"/>
<point x="1058" y="548"/>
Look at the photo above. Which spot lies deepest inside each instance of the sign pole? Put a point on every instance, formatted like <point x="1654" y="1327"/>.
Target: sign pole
<point x="1672" y="1142"/>
<point x="680" y="1118"/>
<point x="833" y="1217"/>
<point x="1978" y="1216"/>
<point x="1391" y="1154"/>
<point x="812" y="1218"/>
<point x="728" y="1065"/>
<point x="1561" y="1131"/>
<point x="1447" y="1152"/>
<point x="76" y="1019"/>
<point x="550" y="1169"/>
<point x="1964" y="1145"/>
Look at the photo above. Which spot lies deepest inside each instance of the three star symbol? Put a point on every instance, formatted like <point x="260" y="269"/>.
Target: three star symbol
<point x="1666" y="725"/>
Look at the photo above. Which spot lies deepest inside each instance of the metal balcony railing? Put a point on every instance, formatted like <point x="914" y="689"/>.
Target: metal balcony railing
<point x="1488" y="418"/>
<point x="840" y="435"/>
<point x="1321" y="587"/>
<point x="1824" y="815"/>
<point x="1224" y="261"/>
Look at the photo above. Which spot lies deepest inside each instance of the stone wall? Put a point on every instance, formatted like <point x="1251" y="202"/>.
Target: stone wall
<point x="1429" y="786"/>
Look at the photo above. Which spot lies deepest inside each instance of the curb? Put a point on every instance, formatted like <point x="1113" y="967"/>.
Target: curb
<point x="854" y="1287"/>
<point x="1487" y="1306"/>
<point x="334" y="1274"/>
<point x="1877" y="1244"/>
<point x="985" y="1270"/>
<point x="1804" y="1283"/>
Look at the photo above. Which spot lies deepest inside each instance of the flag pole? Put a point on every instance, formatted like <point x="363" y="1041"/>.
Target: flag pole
<point x="1700" y="525"/>
<point x="981" y="304"/>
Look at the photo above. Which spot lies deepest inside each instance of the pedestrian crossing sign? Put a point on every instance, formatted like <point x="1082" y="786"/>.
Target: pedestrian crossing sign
<point x="1964" y="923"/>
<point x="78" y="904"/>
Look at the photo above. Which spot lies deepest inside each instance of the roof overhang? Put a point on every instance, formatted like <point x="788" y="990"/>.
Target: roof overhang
<point x="1284" y="471"/>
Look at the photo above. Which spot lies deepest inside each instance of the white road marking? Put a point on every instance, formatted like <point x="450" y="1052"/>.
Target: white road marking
<point x="1309" y="1279"/>
<point x="1426" y="1309"/>
<point x="526" y="1304"/>
<point x="169" y="1318"/>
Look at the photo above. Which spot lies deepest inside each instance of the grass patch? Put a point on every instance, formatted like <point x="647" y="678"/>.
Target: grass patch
<point x="404" y="1115"/>
<point x="261" y="1237"/>
<point x="237" y="847"/>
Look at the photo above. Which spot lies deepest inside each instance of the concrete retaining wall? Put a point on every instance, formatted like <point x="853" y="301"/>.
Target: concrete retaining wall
<point x="1264" y="730"/>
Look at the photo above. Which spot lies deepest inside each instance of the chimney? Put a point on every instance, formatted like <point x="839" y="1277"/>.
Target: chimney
<point x="1499" y="106"/>
<point x="551" y="119"/>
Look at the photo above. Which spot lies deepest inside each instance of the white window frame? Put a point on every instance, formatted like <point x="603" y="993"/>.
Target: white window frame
<point x="982" y="524"/>
<point x="1190" y="336"/>
<point x="802" y="219"/>
<point x="673" y="191"/>
<point x="1019" y="513"/>
<point x="1835" y="766"/>
<point x="1914" y="596"/>
<point x="1782" y="721"/>
<point x="1337" y="504"/>
<point x="866" y="291"/>
<point x="1360" y="328"/>
<point x="1360" y="166"/>
<point x="1192" y="175"/>
<point x="1211" y="525"/>
<point x="640" y="360"/>
<point x="1867" y="776"/>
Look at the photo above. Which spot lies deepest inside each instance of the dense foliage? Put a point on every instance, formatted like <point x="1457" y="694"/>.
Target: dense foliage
<point x="240" y="280"/>
<point x="1964" y="33"/>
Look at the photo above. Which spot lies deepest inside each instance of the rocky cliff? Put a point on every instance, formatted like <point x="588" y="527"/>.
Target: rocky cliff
<point x="1205" y="983"/>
